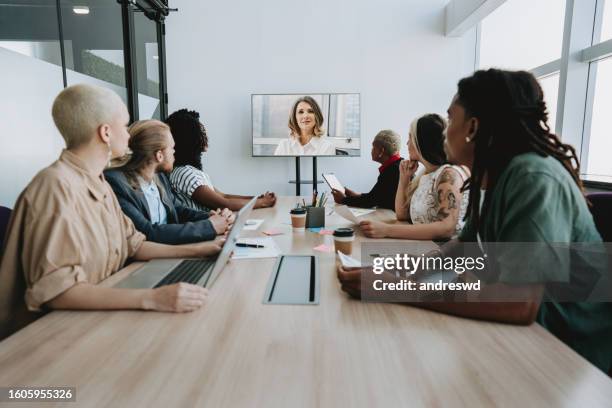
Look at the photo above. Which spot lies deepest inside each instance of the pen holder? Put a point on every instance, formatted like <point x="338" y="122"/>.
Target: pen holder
<point x="315" y="217"/>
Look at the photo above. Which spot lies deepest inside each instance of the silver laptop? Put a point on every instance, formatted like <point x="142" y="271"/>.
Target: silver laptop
<point x="202" y="271"/>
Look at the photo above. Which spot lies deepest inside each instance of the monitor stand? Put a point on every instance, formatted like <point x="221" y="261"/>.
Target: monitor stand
<point x="298" y="181"/>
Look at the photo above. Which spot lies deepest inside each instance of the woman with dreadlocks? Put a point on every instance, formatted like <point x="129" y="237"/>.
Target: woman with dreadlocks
<point x="193" y="186"/>
<point x="524" y="188"/>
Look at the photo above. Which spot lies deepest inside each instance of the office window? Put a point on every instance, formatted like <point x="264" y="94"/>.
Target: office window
<point x="600" y="141"/>
<point x="147" y="66"/>
<point x="522" y="34"/>
<point x="95" y="43"/>
<point x="606" y="24"/>
<point x="550" y="87"/>
<point x="31" y="30"/>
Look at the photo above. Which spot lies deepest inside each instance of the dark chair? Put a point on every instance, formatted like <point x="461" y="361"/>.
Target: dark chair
<point x="5" y="215"/>
<point x="601" y="208"/>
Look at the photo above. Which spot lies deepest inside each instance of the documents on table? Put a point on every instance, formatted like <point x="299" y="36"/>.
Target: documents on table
<point x="347" y="261"/>
<point x="358" y="212"/>
<point x="351" y="214"/>
<point x="252" y="225"/>
<point x="269" y="250"/>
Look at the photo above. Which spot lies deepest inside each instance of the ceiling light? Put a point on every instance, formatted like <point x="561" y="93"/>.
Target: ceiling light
<point x="80" y="10"/>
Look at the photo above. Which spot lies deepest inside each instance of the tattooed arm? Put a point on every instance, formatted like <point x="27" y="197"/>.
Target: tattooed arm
<point x="448" y="202"/>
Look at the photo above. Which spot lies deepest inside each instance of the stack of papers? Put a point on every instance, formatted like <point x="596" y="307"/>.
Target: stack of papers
<point x="351" y="214"/>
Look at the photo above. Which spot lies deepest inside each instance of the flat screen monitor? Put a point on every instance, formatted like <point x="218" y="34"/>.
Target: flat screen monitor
<point x="323" y="124"/>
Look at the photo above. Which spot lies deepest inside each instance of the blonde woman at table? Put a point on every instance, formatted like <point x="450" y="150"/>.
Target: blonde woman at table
<point x="432" y="201"/>
<point x="306" y="134"/>
<point x="68" y="233"/>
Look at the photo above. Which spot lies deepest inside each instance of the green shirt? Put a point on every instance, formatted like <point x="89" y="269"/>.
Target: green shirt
<point x="537" y="201"/>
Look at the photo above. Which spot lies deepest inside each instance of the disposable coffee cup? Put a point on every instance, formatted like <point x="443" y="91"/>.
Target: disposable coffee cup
<point x="298" y="219"/>
<point x="343" y="240"/>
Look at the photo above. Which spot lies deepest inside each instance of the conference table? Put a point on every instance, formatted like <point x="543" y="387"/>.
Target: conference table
<point x="238" y="351"/>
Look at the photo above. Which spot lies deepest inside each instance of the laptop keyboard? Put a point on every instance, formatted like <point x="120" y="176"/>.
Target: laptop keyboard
<point x="189" y="270"/>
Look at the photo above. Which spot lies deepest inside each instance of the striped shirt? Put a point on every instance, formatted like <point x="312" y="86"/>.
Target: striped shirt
<point x="185" y="180"/>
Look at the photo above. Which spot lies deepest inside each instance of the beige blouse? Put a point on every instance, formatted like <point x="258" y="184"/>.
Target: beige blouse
<point x="67" y="227"/>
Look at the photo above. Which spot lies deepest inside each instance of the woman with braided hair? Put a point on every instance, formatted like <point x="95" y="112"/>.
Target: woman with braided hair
<point x="524" y="192"/>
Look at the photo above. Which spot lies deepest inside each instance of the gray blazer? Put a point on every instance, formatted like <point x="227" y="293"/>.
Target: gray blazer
<point x="184" y="224"/>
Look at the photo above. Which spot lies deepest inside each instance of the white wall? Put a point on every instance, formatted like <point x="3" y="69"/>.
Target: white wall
<point x="393" y="52"/>
<point x="28" y="136"/>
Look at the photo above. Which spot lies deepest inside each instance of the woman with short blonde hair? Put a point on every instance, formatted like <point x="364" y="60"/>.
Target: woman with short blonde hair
<point x="67" y="232"/>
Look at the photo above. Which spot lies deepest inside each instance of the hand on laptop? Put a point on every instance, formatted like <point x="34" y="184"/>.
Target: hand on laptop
<point x="210" y="248"/>
<point x="179" y="297"/>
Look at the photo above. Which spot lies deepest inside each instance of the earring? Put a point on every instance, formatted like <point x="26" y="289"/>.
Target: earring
<point x="468" y="139"/>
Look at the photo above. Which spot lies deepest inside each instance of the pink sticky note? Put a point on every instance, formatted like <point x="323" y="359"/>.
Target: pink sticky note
<point x="323" y="248"/>
<point x="272" y="232"/>
<point x="326" y="232"/>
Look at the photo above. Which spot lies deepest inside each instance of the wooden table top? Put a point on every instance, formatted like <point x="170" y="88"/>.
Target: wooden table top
<point x="237" y="351"/>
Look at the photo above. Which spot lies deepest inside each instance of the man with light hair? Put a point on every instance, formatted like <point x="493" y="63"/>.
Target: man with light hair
<point x="67" y="232"/>
<point x="385" y="150"/>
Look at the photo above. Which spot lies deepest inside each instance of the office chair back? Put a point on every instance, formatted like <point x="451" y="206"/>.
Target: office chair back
<point x="601" y="208"/>
<point x="5" y="215"/>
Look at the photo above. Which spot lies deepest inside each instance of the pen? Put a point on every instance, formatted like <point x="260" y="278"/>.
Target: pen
<point x="245" y="245"/>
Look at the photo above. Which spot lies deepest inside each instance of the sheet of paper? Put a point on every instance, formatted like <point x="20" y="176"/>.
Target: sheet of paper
<point x="358" y="212"/>
<point x="252" y="225"/>
<point x="333" y="182"/>
<point x="346" y="213"/>
<point x="350" y="262"/>
<point x="323" y="248"/>
<point x="270" y="249"/>
<point x="347" y="261"/>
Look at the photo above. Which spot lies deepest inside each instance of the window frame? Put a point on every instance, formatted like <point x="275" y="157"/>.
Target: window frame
<point x="577" y="76"/>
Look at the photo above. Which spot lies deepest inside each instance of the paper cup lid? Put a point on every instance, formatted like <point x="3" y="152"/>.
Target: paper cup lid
<point x="343" y="232"/>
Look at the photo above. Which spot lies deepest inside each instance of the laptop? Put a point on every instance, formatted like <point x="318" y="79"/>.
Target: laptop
<point x="201" y="271"/>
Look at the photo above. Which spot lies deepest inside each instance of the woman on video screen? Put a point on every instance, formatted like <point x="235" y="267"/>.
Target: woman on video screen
<point x="305" y="136"/>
